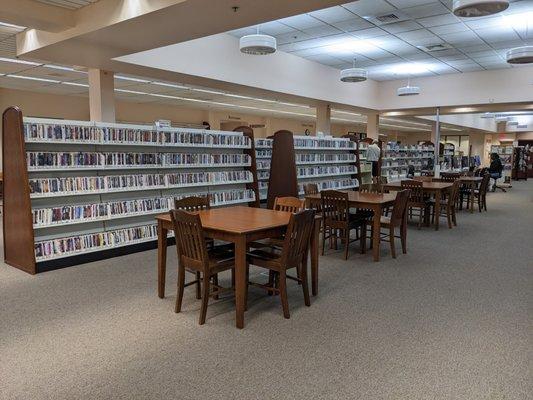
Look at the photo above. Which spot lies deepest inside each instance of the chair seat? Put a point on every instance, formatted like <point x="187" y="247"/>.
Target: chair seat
<point x="417" y="204"/>
<point x="221" y="257"/>
<point x="363" y="214"/>
<point x="265" y="257"/>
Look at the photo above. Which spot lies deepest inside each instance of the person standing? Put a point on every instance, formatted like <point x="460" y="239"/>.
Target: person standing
<point x="373" y="155"/>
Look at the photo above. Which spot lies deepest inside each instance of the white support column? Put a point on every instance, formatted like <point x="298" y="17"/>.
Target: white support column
<point x="372" y="125"/>
<point x="435" y="138"/>
<point x="323" y="118"/>
<point x="101" y="95"/>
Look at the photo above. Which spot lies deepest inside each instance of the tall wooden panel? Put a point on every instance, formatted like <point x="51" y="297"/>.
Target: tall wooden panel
<point x="283" y="179"/>
<point x="249" y="132"/>
<point x="18" y="224"/>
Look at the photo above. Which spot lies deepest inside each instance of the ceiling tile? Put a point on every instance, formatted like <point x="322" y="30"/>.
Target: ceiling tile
<point x="418" y="34"/>
<point x="274" y="28"/>
<point x="354" y="24"/>
<point x="332" y="14"/>
<point x="369" y="7"/>
<point x="403" y="26"/>
<point x="370" y="33"/>
<point x="427" y="10"/>
<point x="451" y="28"/>
<point x="323" y="30"/>
<point x="438" y="20"/>
<point x="301" y="22"/>
<point x="410" y="3"/>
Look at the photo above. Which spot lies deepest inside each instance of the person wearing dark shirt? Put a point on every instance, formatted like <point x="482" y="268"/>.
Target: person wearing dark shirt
<point x="495" y="168"/>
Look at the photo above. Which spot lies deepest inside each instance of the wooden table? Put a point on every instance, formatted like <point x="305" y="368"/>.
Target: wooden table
<point x="471" y="182"/>
<point x="434" y="188"/>
<point x="239" y="225"/>
<point x="372" y="201"/>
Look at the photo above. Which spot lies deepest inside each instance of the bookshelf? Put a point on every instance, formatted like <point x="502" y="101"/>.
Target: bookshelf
<point x="397" y="158"/>
<point x="78" y="191"/>
<point x="329" y="162"/>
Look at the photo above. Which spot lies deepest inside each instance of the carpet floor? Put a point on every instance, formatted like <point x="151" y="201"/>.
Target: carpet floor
<point x="451" y="319"/>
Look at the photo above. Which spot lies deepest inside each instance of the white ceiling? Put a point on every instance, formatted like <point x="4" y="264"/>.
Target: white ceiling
<point x="70" y="4"/>
<point x="335" y="35"/>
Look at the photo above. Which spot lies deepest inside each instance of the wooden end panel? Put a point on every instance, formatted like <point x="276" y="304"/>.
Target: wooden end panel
<point x="18" y="225"/>
<point x="283" y="178"/>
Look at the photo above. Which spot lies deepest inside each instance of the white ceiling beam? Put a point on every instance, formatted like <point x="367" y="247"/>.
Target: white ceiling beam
<point x="36" y="15"/>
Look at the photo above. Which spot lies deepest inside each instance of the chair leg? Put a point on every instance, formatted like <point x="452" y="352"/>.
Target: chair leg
<point x="346" y="242"/>
<point x="233" y="278"/>
<point x="205" y="299"/>
<point x="198" y="286"/>
<point x="305" y="285"/>
<point x="324" y="233"/>
<point x="449" y="217"/>
<point x="181" y="287"/>
<point x="283" y="293"/>
<point x="363" y="239"/>
<point x="215" y="282"/>
<point x="420" y="219"/>
<point x="392" y="245"/>
<point x="454" y="216"/>
<point x="271" y="281"/>
<point x="246" y="291"/>
<point x="403" y="237"/>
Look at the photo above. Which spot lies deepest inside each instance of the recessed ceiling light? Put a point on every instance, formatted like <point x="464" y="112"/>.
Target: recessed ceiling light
<point x="258" y="44"/>
<point x="520" y="55"/>
<point x="18" y="61"/>
<point x="478" y="8"/>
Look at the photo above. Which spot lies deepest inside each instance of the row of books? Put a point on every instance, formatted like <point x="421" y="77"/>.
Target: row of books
<point x="320" y="158"/>
<point x="325" y="170"/>
<point x="53" y="216"/>
<point x="332" y="184"/>
<point x="103" y="184"/>
<point x="78" y="244"/>
<point x="263" y="153"/>
<point x="393" y="146"/>
<point x="94" y="133"/>
<point x="263" y="143"/>
<point x="331" y="143"/>
<point x="45" y="160"/>
<point x="399" y="154"/>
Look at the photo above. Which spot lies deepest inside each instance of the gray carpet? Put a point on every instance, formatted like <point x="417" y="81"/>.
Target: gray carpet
<point x="449" y="320"/>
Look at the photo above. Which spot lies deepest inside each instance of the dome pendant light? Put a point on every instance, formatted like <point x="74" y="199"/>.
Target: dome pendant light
<point x="354" y="74"/>
<point x="520" y="55"/>
<point x="258" y="45"/>
<point x="408" y="90"/>
<point x="478" y="8"/>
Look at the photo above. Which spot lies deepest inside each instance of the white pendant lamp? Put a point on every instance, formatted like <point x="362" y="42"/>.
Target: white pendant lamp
<point x="354" y="74"/>
<point x="258" y="44"/>
<point x="478" y="8"/>
<point x="520" y="55"/>
<point x="408" y="90"/>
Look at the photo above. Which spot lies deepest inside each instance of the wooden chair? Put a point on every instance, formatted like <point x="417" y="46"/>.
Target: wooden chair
<point x="480" y="194"/>
<point x="289" y="204"/>
<point x="398" y="219"/>
<point x="336" y="217"/>
<point x="450" y="176"/>
<point x="310" y="188"/>
<point x="448" y="204"/>
<point x="371" y="188"/>
<point x="193" y="255"/>
<point x="293" y="254"/>
<point x="195" y="203"/>
<point x="417" y="200"/>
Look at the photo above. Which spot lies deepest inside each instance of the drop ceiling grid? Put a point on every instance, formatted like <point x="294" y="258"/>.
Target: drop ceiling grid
<point x="428" y="22"/>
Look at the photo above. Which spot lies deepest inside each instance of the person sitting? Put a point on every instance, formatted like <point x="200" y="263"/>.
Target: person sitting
<point x="495" y="169"/>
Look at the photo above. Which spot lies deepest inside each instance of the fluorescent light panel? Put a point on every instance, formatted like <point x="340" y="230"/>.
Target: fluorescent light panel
<point x="18" y="61"/>
<point x="32" y="78"/>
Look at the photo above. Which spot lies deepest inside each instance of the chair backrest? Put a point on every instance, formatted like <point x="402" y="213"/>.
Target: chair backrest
<point x="382" y="180"/>
<point x="371" y="188"/>
<point x="192" y="203"/>
<point x="454" y="194"/>
<point x="297" y="237"/>
<point x="416" y="194"/>
<point x="190" y="240"/>
<point x="310" y="188"/>
<point x="450" y="176"/>
<point x="484" y="185"/>
<point x="289" y="204"/>
<point x="335" y="206"/>
<point x="399" y="208"/>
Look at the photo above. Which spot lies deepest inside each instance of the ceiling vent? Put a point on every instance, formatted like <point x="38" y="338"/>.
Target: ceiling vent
<point x="433" y="48"/>
<point x="389" y="18"/>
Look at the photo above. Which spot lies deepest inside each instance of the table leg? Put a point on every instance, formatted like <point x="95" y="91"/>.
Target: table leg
<point x="376" y="232"/>
<point x="161" y="259"/>
<point x="438" y="196"/>
<point x="315" y="240"/>
<point x="240" y="280"/>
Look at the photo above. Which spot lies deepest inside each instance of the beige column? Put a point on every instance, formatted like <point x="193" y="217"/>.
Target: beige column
<point x="101" y="95"/>
<point x="433" y="131"/>
<point x="323" y="118"/>
<point x="372" y="125"/>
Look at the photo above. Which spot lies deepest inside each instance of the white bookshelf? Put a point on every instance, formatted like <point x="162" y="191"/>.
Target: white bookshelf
<point x="397" y="158"/>
<point x="77" y="164"/>
<point x="316" y="158"/>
